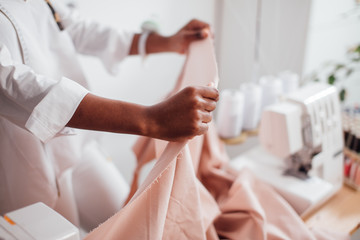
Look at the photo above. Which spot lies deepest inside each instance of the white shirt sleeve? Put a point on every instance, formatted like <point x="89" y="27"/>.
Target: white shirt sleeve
<point x="34" y="102"/>
<point x="91" y="38"/>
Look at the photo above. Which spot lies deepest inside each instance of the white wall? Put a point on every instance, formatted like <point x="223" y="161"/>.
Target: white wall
<point x="331" y="32"/>
<point x="334" y="28"/>
<point x="140" y="82"/>
<point x="299" y="35"/>
<point x="282" y="38"/>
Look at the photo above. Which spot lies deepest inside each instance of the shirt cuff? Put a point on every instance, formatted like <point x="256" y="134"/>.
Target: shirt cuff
<point x="55" y="110"/>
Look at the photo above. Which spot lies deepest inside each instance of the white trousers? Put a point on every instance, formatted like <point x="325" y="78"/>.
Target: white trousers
<point x="92" y="191"/>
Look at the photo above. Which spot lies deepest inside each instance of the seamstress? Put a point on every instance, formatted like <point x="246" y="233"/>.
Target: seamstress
<point x="43" y="91"/>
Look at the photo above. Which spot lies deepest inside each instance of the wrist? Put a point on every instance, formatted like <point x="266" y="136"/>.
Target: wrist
<point x="157" y="43"/>
<point x="152" y="124"/>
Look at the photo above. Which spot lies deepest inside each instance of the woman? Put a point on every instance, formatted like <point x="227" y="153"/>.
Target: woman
<point x="43" y="96"/>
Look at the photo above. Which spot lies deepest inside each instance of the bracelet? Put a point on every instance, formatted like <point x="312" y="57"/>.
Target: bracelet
<point x="142" y="43"/>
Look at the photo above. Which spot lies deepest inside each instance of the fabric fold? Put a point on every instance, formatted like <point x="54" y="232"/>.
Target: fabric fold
<point x="192" y="193"/>
<point x="171" y="203"/>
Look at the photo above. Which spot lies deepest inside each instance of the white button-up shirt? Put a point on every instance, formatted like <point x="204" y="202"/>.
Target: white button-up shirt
<point x="41" y="85"/>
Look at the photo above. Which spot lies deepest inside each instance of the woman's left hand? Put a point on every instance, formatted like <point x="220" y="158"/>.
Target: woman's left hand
<point x="179" y="42"/>
<point x="193" y="31"/>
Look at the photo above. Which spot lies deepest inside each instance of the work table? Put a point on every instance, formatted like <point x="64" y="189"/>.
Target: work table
<point x="340" y="213"/>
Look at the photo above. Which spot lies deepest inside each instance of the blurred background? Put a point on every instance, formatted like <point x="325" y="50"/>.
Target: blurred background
<point x="312" y="38"/>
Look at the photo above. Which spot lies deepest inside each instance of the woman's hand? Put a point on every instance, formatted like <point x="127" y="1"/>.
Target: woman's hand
<point x="183" y="115"/>
<point x="193" y="31"/>
<point x="179" y="42"/>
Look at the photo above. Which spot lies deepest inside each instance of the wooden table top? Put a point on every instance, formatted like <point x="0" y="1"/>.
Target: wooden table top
<point x="340" y="213"/>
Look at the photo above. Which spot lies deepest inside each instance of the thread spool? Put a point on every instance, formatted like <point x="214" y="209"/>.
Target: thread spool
<point x="252" y="105"/>
<point x="290" y="81"/>
<point x="230" y="113"/>
<point x="271" y="90"/>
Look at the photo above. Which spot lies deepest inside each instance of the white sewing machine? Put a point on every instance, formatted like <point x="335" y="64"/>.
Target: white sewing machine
<point x="301" y="147"/>
<point x="36" y="222"/>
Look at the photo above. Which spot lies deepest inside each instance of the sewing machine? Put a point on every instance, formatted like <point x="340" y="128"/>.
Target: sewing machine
<point x="38" y="222"/>
<point x="300" y="150"/>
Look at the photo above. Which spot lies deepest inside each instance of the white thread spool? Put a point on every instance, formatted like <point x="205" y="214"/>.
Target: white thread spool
<point x="290" y="81"/>
<point x="230" y="113"/>
<point x="271" y="90"/>
<point x="252" y="105"/>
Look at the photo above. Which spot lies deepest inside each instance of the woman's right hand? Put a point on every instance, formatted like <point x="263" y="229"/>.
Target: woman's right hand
<point x="183" y="115"/>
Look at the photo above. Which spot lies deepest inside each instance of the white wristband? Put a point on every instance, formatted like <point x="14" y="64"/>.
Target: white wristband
<point x="142" y="43"/>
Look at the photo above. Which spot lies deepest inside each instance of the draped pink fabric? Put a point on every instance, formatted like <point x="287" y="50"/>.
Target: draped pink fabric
<point x="171" y="203"/>
<point x="191" y="193"/>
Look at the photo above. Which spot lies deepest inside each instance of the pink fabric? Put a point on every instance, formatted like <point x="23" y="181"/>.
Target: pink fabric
<point x="171" y="203"/>
<point x="170" y="207"/>
<point x="192" y="194"/>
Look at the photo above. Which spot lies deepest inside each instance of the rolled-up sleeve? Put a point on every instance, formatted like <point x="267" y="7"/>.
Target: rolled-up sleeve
<point x="110" y="45"/>
<point x="34" y="102"/>
<point x="55" y="110"/>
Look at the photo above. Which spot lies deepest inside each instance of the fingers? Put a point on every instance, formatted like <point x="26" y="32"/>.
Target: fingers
<point x="189" y="111"/>
<point x="206" y="117"/>
<point x="197" y="25"/>
<point x="207" y="104"/>
<point x="196" y="30"/>
<point x="210" y="106"/>
<point x="203" y="127"/>
<point x="192" y="35"/>
<point x="193" y="31"/>
<point x="204" y="97"/>
<point x="209" y="92"/>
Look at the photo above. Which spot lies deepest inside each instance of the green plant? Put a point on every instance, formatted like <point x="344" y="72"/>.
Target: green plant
<point x="334" y="72"/>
